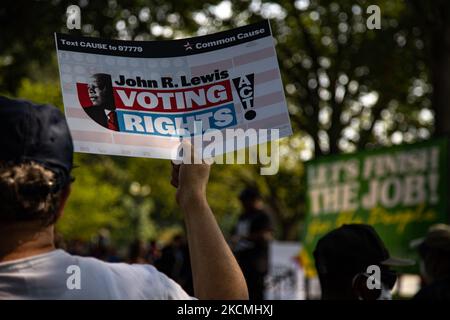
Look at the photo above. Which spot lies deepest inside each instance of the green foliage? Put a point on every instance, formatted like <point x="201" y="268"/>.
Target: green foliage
<point x="348" y="88"/>
<point x="93" y="204"/>
<point x="41" y="92"/>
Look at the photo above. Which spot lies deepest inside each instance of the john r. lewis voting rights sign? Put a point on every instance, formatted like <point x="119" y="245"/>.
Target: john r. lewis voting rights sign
<point x="400" y="191"/>
<point x="137" y="98"/>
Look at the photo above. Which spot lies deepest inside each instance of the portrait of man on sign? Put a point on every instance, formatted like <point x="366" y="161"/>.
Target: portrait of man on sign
<point x="103" y="108"/>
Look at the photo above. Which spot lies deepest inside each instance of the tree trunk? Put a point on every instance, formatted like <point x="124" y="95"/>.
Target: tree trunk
<point x="440" y="72"/>
<point x="440" y="76"/>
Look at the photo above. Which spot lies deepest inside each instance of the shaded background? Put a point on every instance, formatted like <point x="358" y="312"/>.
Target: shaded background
<point x="348" y="89"/>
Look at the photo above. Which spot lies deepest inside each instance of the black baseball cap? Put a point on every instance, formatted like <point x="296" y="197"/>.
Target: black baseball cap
<point x="36" y="132"/>
<point x="437" y="239"/>
<point x="351" y="248"/>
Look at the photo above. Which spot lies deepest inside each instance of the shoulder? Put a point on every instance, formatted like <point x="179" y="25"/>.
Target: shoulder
<point x="135" y="281"/>
<point x="93" y="109"/>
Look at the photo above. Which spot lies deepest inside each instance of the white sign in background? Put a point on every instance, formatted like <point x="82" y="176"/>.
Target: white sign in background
<point x="286" y="280"/>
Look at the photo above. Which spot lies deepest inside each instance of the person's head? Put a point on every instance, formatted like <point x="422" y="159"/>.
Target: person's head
<point x="251" y="199"/>
<point x="36" y="155"/>
<point x="178" y="240"/>
<point x="137" y="251"/>
<point x="434" y="251"/>
<point x="100" y="91"/>
<point x="342" y="258"/>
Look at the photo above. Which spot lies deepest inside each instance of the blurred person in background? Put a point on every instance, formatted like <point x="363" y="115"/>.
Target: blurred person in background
<point x="36" y="161"/>
<point x="175" y="263"/>
<point x="100" y="245"/>
<point x="434" y="251"/>
<point x="153" y="252"/>
<point x="342" y="257"/>
<point x="251" y="236"/>
<point x="77" y="247"/>
<point x="137" y="252"/>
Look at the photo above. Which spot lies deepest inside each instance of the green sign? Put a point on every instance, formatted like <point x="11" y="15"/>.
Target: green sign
<point x="400" y="191"/>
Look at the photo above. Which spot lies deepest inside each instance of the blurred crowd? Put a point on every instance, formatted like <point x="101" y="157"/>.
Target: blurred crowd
<point x="341" y="256"/>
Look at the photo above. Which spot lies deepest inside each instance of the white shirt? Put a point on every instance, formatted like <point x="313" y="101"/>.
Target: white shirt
<point x="45" y="276"/>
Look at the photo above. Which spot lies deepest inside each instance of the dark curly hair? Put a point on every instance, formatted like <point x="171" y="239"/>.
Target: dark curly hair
<point x="27" y="193"/>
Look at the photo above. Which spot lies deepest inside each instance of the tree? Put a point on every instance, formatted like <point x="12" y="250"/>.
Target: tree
<point x="348" y="88"/>
<point x="434" y="20"/>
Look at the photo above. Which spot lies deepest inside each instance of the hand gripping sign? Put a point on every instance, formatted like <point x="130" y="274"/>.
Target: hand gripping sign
<point x="138" y="98"/>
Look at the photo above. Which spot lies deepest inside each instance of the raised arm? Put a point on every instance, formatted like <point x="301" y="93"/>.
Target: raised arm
<point x="215" y="271"/>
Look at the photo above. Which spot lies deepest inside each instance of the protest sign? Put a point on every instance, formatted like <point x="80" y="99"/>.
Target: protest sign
<point x="400" y="191"/>
<point x="285" y="279"/>
<point x="137" y="98"/>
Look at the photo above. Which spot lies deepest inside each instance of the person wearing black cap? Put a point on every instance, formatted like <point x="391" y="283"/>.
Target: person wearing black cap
<point x="252" y="234"/>
<point x="434" y="251"/>
<point x="342" y="258"/>
<point x="36" y="160"/>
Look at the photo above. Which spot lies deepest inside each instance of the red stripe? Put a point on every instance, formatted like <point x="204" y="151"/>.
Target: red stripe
<point x="210" y="67"/>
<point x="146" y="141"/>
<point x="150" y="96"/>
<point x="91" y="136"/>
<point x="253" y="56"/>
